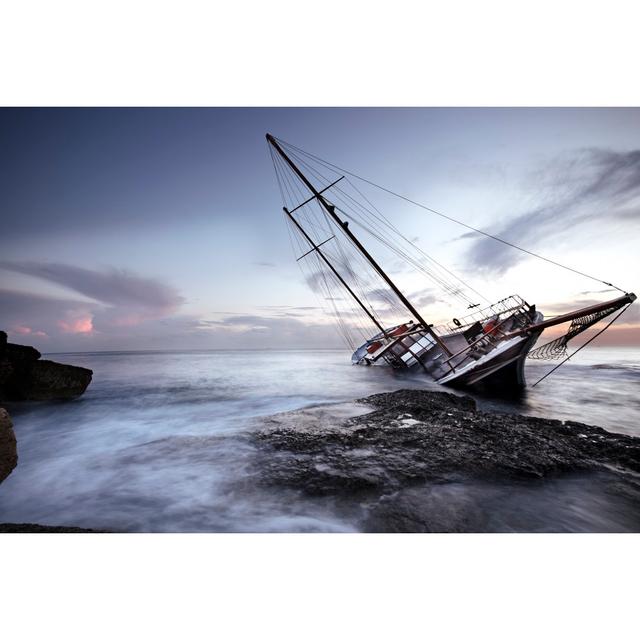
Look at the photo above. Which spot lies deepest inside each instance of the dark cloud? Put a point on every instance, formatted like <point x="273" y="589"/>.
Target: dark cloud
<point x="632" y="214"/>
<point x="578" y="187"/>
<point x="424" y="298"/>
<point x="382" y="297"/>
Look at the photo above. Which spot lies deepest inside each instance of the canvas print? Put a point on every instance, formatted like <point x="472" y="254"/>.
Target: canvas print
<point x="398" y="320"/>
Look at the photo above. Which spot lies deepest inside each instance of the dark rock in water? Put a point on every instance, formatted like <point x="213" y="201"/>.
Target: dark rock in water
<point x="413" y="441"/>
<point x="8" y="450"/>
<point x="25" y="527"/>
<point x="23" y="376"/>
<point x="49" y="380"/>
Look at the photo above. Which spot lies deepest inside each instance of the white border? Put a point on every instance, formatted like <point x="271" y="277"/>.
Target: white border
<point x="329" y="53"/>
<point x="319" y="586"/>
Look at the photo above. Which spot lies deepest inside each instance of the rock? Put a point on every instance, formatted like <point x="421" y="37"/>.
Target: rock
<point x="23" y="376"/>
<point x="26" y="527"/>
<point x="411" y="437"/>
<point x="49" y="380"/>
<point x="8" y="450"/>
<point x="21" y="356"/>
<point x="6" y="371"/>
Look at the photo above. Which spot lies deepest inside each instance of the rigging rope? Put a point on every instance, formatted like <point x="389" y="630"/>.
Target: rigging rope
<point x="442" y="215"/>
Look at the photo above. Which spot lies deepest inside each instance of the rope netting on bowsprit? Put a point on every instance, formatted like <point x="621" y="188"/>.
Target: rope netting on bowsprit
<point x="556" y="349"/>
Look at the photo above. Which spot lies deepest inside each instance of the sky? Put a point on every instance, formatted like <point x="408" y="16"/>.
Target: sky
<point x="127" y="229"/>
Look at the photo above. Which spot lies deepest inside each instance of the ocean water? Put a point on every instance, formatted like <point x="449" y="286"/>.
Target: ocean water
<point x="155" y="444"/>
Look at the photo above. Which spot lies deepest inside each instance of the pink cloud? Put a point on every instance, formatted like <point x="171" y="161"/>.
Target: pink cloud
<point x="83" y="324"/>
<point x="23" y="330"/>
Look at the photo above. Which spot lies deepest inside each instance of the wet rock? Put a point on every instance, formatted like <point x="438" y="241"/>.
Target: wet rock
<point x="49" y="380"/>
<point x="26" y="527"/>
<point x="8" y="450"/>
<point x="411" y="437"/>
<point x="23" y="376"/>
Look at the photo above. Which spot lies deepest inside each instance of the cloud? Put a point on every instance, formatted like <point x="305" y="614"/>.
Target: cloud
<point x="26" y="331"/>
<point x="382" y="297"/>
<point x="31" y="315"/>
<point x="123" y="298"/>
<point x="424" y="298"/>
<point x="76" y="324"/>
<point x="266" y="332"/>
<point x="119" y="308"/>
<point x="578" y="187"/>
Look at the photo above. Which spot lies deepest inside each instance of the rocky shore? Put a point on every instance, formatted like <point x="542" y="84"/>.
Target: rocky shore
<point x="390" y="453"/>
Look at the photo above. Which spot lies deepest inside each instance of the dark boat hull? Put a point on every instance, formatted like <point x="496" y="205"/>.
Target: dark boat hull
<point x="505" y="372"/>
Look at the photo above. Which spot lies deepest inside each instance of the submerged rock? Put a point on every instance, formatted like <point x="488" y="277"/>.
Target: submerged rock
<point x="23" y="376"/>
<point x="8" y="450"/>
<point x="390" y="459"/>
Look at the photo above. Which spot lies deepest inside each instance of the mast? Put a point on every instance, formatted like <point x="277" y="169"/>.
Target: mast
<point x="330" y="209"/>
<point x="333" y="269"/>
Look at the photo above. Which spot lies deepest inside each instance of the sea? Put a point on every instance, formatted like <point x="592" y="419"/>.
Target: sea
<point x="157" y="444"/>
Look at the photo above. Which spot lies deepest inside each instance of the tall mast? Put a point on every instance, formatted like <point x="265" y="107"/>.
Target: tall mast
<point x="333" y="269"/>
<point x="330" y="209"/>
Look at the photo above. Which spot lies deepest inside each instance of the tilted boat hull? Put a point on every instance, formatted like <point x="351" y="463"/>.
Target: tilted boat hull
<point x="503" y="372"/>
<point x="483" y="353"/>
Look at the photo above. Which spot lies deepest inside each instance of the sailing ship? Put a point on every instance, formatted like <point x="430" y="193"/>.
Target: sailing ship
<point x="486" y="348"/>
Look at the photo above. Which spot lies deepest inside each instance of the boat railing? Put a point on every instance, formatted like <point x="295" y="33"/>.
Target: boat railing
<point x="490" y="339"/>
<point x="484" y="339"/>
<point x="508" y="305"/>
